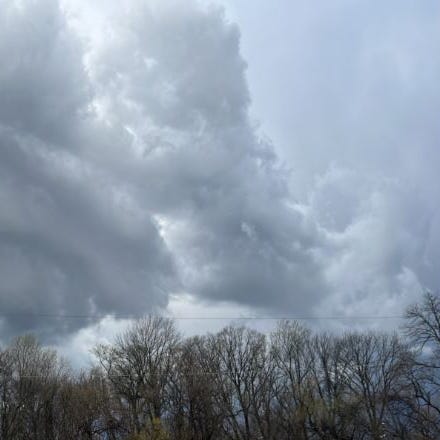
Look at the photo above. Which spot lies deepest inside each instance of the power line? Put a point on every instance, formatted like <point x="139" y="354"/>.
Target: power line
<point x="209" y="318"/>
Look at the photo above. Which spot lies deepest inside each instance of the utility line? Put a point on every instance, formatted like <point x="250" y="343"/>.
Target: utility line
<point x="181" y="317"/>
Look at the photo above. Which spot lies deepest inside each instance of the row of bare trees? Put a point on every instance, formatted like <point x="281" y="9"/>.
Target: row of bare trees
<point x="237" y="384"/>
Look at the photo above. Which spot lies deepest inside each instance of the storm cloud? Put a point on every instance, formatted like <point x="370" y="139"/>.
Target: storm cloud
<point x="132" y="171"/>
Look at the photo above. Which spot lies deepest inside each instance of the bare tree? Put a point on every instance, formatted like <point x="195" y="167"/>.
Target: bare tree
<point x="232" y="385"/>
<point x="238" y="360"/>
<point x="8" y="409"/>
<point x="292" y="357"/>
<point x="423" y="329"/>
<point x="139" y="366"/>
<point x="31" y="377"/>
<point x="423" y="324"/>
<point x="85" y="409"/>
<point x="377" y="371"/>
<point x="332" y="408"/>
<point x="195" y="412"/>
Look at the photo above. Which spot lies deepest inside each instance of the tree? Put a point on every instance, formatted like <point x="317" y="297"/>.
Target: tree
<point x="30" y="379"/>
<point x="377" y="366"/>
<point x="239" y="365"/>
<point x="332" y="407"/>
<point x="195" y="410"/>
<point x="423" y="329"/>
<point x="139" y="367"/>
<point x="85" y="408"/>
<point x="292" y="357"/>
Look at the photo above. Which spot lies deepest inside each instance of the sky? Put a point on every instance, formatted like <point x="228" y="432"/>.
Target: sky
<point x="215" y="159"/>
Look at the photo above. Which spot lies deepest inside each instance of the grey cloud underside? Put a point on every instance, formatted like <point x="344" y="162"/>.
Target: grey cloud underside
<point x="130" y="170"/>
<point x="94" y="159"/>
<point x="64" y="246"/>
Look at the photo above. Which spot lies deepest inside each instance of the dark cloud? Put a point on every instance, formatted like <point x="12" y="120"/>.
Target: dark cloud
<point x="214" y="184"/>
<point x="130" y="169"/>
<point x="71" y="241"/>
<point x="107" y="146"/>
<point x="68" y="245"/>
<point x="43" y="86"/>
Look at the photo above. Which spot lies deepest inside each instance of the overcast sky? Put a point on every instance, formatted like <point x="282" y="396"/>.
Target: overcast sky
<point x="216" y="159"/>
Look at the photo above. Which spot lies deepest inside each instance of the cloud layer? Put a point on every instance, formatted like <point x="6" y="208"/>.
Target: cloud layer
<point x="359" y="82"/>
<point x="130" y="169"/>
